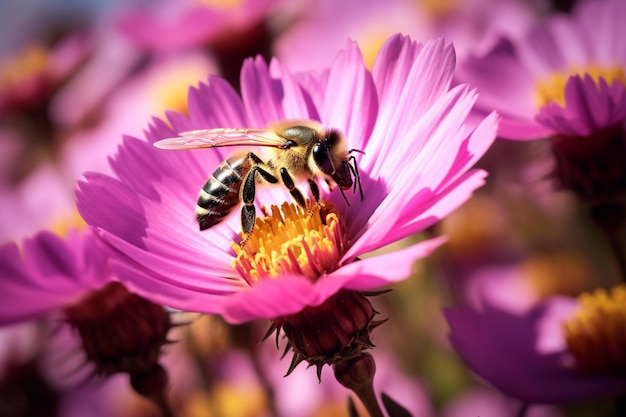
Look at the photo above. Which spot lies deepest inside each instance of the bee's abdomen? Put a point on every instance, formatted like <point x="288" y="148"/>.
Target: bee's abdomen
<point x="220" y="194"/>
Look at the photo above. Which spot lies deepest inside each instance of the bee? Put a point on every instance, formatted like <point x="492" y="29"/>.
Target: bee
<point x="301" y="150"/>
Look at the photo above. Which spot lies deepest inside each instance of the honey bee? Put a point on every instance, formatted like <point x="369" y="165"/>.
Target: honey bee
<point x="302" y="149"/>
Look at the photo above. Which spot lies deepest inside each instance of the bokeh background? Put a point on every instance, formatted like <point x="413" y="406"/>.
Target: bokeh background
<point x="77" y="75"/>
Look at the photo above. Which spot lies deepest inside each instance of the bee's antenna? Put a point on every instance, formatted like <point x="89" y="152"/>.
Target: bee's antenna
<point x="355" y="171"/>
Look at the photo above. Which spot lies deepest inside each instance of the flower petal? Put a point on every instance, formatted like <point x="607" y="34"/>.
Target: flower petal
<point x="350" y="104"/>
<point x="504" y="349"/>
<point x="377" y="271"/>
<point x="260" y="300"/>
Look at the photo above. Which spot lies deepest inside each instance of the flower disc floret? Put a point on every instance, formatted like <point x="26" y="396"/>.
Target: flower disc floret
<point x="596" y="334"/>
<point x="552" y="87"/>
<point x="291" y="240"/>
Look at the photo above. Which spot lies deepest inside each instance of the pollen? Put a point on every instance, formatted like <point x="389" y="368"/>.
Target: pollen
<point x="596" y="334"/>
<point x="291" y="240"/>
<point x="552" y="88"/>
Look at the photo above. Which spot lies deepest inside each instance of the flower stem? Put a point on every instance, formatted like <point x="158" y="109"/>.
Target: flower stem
<point x="357" y="374"/>
<point x="368" y="398"/>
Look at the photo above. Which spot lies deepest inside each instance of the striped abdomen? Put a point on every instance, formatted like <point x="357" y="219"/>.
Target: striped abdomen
<point x="220" y="194"/>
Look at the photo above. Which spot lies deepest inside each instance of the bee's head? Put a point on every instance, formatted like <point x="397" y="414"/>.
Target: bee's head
<point x="330" y="156"/>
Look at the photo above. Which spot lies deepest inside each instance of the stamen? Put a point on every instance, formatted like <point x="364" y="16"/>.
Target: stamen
<point x="596" y="335"/>
<point x="291" y="240"/>
<point x="552" y="88"/>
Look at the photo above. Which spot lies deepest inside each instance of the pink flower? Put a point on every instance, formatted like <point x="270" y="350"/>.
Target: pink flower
<point x="184" y="24"/>
<point x="470" y="24"/>
<point x="565" y="76"/>
<point x="48" y="272"/>
<point x="161" y="85"/>
<point x="31" y="76"/>
<point x="418" y="147"/>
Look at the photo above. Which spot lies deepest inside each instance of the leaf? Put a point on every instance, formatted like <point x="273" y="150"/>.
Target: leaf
<point x="393" y="408"/>
<point x="351" y="408"/>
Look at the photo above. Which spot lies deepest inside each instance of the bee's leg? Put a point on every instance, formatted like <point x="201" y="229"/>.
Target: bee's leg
<point x="316" y="195"/>
<point x="295" y="193"/>
<point x="248" y="192"/>
<point x="314" y="190"/>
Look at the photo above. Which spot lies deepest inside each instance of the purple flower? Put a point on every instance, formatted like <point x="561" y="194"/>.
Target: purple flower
<point x="526" y="355"/>
<point x="418" y="147"/>
<point x="565" y="76"/>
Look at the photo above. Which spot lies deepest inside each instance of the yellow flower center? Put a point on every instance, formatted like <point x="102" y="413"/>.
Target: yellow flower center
<point x="63" y="224"/>
<point x="370" y="43"/>
<point x="172" y="85"/>
<point x="27" y="63"/>
<point x="552" y="88"/>
<point x="291" y="240"/>
<point x="438" y="8"/>
<point x="596" y="335"/>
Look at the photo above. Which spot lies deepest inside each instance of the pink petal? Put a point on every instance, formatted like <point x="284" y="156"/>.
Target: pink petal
<point x="428" y="78"/>
<point x="262" y="94"/>
<point x="296" y="103"/>
<point x="377" y="271"/>
<point x="260" y="300"/>
<point x="350" y="104"/>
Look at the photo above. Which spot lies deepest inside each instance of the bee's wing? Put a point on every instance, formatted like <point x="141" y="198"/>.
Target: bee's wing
<point x="213" y="138"/>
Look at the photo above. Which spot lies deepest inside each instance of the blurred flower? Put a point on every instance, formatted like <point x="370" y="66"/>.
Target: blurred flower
<point x="564" y="350"/>
<point x="486" y="402"/>
<point x="518" y="287"/>
<point x="119" y="331"/>
<point x="471" y="25"/>
<point x="171" y="24"/>
<point x="29" y="77"/>
<point x="49" y="272"/>
<point x="228" y="31"/>
<point x="475" y="25"/>
<point x="544" y="82"/>
<point x="122" y="102"/>
<point x="566" y="79"/>
<point x="312" y="40"/>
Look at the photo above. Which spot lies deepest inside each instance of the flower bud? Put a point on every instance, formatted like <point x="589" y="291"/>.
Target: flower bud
<point x="335" y="330"/>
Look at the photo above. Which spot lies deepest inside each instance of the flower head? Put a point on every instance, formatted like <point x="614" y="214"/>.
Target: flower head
<point x="69" y="278"/>
<point x="418" y="146"/>
<point x="565" y="76"/>
<point x="563" y="350"/>
<point x="566" y="79"/>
